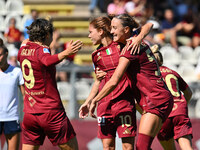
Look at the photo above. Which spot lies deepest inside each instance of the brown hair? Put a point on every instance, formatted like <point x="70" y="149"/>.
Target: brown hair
<point x="1" y="42"/>
<point x="2" y="46"/>
<point x="39" y="29"/>
<point x="103" y="23"/>
<point x="127" y="20"/>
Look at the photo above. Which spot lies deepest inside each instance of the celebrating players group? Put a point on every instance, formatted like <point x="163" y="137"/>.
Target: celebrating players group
<point x="129" y="76"/>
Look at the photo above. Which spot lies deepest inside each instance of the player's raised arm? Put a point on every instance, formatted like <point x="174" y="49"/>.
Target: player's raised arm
<point x="141" y="33"/>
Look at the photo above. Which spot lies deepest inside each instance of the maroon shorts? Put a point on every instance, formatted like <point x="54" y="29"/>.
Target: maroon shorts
<point x="55" y="125"/>
<point x="117" y="115"/>
<point x="161" y="107"/>
<point x="176" y="127"/>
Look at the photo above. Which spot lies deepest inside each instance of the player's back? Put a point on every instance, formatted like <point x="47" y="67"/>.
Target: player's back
<point x="175" y="84"/>
<point x="41" y="94"/>
<point x="145" y="74"/>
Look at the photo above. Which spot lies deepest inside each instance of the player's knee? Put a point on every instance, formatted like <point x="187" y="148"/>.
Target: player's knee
<point x="128" y="147"/>
<point x="128" y="143"/>
<point x="185" y="142"/>
<point x="70" y="145"/>
<point x="108" y="147"/>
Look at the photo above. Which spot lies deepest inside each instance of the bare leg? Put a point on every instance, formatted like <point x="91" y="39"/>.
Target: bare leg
<point x="150" y="124"/>
<point x="13" y="141"/>
<point x="168" y="145"/>
<point x="70" y="145"/>
<point x="185" y="142"/>
<point x="108" y="144"/>
<point x="128" y="143"/>
<point x="30" y="147"/>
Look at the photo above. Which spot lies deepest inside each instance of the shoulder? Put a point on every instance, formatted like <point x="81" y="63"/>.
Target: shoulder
<point x="165" y="69"/>
<point x="16" y="69"/>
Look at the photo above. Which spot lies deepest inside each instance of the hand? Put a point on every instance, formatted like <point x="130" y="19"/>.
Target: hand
<point x="83" y="111"/>
<point x="133" y="44"/>
<point x="100" y="74"/>
<point x="73" y="47"/>
<point x="92" y="109"/>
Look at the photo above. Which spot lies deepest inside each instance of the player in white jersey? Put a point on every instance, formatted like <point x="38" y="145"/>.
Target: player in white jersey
<point x="10" y="79"/>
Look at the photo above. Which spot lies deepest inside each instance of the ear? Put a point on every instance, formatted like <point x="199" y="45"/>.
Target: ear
<point x="126" y="29"/>
<point x="101" y="31"/>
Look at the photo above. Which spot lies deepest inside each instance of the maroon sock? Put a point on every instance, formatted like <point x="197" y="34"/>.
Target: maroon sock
<point x="144" y="142"/>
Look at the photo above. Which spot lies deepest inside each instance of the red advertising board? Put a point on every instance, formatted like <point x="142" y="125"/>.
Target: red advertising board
<point x="86" y="134"/>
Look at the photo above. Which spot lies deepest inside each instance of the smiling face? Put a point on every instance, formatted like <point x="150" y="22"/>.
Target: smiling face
<point x="95" y="35"/>
<point x="118" y="31"/>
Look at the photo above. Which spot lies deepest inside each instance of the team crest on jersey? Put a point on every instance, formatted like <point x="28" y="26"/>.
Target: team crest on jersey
<point x="46" y="50"/>
<point x="98" y="53"/>
<point x="108" y="51"/>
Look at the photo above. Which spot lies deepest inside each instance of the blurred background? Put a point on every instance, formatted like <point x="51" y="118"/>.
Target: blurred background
<point x="176" y="30"/>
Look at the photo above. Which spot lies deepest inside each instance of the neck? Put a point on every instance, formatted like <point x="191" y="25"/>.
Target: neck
<point x="41" y="43"/>
<point x="127" y="36"/>
<point x="4" y="67"/>
<point x="106" y="41"/>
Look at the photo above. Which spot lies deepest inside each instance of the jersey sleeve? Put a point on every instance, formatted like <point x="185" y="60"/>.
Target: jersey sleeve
<point x="21" y="80"/>
<point x="127" y="54"/>
<point x="46" y="58"/>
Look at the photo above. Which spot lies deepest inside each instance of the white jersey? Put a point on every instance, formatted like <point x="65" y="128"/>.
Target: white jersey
<point x="9" y="83"/>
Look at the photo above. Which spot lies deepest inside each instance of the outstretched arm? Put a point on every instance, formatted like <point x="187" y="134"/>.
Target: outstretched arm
<point x="136" y="40"/>
<point x="84" y="108"/>
<point x="111" y="84"/>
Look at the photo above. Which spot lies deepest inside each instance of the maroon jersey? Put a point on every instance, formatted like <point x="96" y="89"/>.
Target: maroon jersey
<point x="176" y="84"/>
<point x="107" y="59"/>
<point x="38" y="67"/>
<point x="145" y="75"/>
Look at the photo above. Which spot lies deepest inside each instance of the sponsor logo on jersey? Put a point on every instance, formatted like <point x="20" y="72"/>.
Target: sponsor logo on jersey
<point x="101" y="121"/>
<point x="127" y="131"/>
<point x="46" y="50"/>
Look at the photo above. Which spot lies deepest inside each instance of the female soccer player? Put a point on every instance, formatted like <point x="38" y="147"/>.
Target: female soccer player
<point x="10" y="80"/>
<point x="44" y="112"/>
<point x="116" y="112"/>
<point x="156" y="101"/>
<point x="178" y="124"/>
